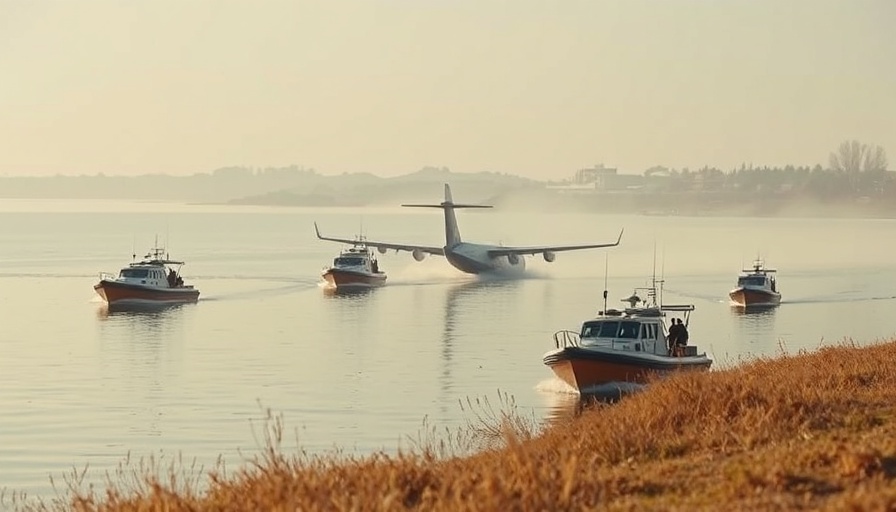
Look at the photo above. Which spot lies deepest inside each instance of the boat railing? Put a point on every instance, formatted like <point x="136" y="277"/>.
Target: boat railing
<point x="563" y="339"/>
<point x="678" y="307"/>
<point x="104" y="276"/>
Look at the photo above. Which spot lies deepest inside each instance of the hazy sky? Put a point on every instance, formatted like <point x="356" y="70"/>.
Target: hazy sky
<point x="538" y="88"/>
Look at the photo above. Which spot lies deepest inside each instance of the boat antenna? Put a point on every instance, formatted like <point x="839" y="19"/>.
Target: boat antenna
<point x="662" y="274"/>
<point x="656" y="285"/>
<point x="606" y="267"/>
<point x="133" y="247"/>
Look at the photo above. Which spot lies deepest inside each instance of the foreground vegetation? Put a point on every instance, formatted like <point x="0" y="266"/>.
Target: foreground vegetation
<point x="808" y="431"/>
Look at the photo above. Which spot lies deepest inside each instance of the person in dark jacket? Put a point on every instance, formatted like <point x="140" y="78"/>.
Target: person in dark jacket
<point x="672" y="339"/>
<point x="682" y="334"/>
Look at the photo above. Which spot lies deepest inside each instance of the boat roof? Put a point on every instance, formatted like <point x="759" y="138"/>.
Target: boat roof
<point x="649" y="307"/>
<point x="156" y="263"/>
<point x="647" y="311"/>
<point x="154" y="258"/>
<point x="356" y="250"/>
<point x="758" y="268"/>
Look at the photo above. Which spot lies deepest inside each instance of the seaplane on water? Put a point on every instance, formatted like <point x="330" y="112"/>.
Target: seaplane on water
<point x="472" y="258"/>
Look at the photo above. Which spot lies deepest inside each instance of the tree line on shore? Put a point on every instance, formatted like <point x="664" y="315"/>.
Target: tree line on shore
<point x="857" y="173"/>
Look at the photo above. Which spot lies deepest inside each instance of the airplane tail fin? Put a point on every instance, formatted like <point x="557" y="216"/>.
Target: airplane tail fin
<point x="452" y="233"/>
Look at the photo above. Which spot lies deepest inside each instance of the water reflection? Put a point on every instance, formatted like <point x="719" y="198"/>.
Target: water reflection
<point x="139" y="351"/>
<point x="754" y="315"/>
<point x="107" y="311"/>
<point x="562" y="406"/>
<point x="753" y="310"/>
<point x="754" y="330"/>
<point x="469" y="297"/>
<point x="349" y="294"/>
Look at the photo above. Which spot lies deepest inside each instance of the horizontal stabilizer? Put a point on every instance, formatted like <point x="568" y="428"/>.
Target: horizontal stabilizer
<point x="446" y="205"/>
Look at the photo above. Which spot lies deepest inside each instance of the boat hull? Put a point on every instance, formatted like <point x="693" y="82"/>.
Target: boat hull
<point x="340" y="278"/>
<point x="746" y="297"/>
<point x="583" y="368"/>
<point x="122" y="294"/>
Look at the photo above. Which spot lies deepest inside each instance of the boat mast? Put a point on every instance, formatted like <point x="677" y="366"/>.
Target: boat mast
<point x="606" y="267"/>
<point x="657" y="292"/>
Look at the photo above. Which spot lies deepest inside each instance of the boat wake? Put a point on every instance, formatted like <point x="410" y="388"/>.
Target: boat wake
<point x="842" y="297"/>
<point x="293" y="287"/>
<point x="836" y="299"/>
<point x="555" y="385"/>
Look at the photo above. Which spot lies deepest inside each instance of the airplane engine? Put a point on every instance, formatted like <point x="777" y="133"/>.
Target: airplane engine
<point x="549" y="256"/>
<point x="514" y="259"/>
<point x="381" y="250"/>
<point x="418" y="254"/>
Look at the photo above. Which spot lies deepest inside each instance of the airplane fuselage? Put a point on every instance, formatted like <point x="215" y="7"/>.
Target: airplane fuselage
<point x="474" y="259"/>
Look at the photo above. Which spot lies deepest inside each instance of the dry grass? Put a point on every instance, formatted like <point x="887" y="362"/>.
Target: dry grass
<point x="813" y="431"/>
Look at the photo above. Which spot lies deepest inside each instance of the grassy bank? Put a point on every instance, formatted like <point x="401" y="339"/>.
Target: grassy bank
<point x="808" y="431"/>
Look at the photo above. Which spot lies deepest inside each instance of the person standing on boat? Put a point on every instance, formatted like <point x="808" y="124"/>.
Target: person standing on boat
<point x="682" y="337"/>
<point x="172" y="278"/>
<point x="672" y="339"/>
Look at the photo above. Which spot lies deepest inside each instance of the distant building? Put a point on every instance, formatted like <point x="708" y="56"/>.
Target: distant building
<point x="601" y="177"/>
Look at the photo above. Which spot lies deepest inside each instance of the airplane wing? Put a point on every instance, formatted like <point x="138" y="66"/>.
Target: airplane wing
<point x="506" y="251"/>
<point x="383" y="245"/>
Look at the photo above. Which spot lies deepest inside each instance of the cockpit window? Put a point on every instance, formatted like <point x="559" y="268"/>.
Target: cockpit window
<point x="348" y="262"/>
<point x="134" y="273"/>
<point x="629" y="330"/>
<point x="648" y="331"/>
<point x="751" y="281"/>
<point x="590" y="330"/>
<point x="608" y="329"/>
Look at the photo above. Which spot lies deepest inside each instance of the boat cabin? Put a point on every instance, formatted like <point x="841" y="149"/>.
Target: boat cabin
<point x="151" y="273"/>
<point x="758" y="277"/>
<point x="639" y="334"/>
<point x="356" y="257"/>
<point x="154" y="276"/>
<point x="636" y="331"/>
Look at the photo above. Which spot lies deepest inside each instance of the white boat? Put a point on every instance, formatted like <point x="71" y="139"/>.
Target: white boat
<point x="756" y="287"/>
<point x="627" y="346"/>
<point x="154" y="280"/>
<point x="355" y="267"/>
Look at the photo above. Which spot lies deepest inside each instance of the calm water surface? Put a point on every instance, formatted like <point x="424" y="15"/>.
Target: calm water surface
<point x="83" y="386"/>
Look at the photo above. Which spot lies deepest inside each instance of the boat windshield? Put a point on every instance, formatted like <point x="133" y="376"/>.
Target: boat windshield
<point x="348" y="262"/>
<point x="590" y="329"/>
<point x="600" y="329"/>
<point x="629" y="329"/>
<point x="612" y="329"/>
<point x="751" y="281"/>
<point x="134" y="273"/>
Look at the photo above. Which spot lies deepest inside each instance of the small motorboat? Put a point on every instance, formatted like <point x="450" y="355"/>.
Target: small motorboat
<point x="625" y="347"/>
<point x="756" y="288"/>
<point x="154" y="280"/>
<point x="356" y="267"/>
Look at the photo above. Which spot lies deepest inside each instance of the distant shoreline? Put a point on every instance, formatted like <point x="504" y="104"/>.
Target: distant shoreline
<point x="606" y="204"/>
<point x="765" y="194"/>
